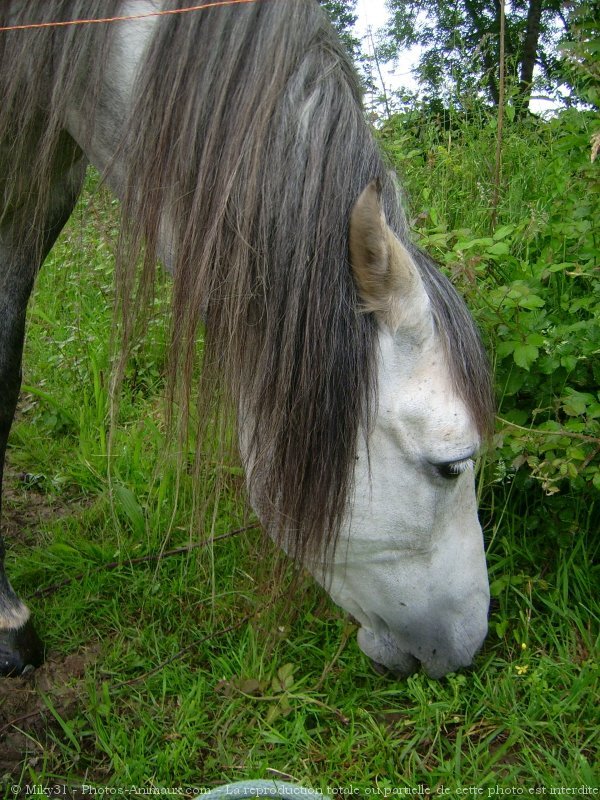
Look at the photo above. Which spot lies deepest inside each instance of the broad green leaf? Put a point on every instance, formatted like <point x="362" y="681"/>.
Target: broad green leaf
<point x="535" y="338"/>
<point x="498" y="586"/>
<point x="531" y="301"/>
<point x="568" y="362"/>
<point x="504" y="349"/>
<point x="576" y="403"/>
<point x="251" y="686"/>
<point x="502" y="232"/>
<point x="498" y="249"/>
<point x="470" y="243"/>
<point x="514" y="383"/>
<point x="286" y="675"/>
<point x="593" y="411"/>
<point x="525" y="354"/>
<point x="517" y="415"/>
<point x="127" y="502"/>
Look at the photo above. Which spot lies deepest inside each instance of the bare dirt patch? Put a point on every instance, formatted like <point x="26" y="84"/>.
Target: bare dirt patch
<point x="25" y="715"/>
<point x="26" y="507"/>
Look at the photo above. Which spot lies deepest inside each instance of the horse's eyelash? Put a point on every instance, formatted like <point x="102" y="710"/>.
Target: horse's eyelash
<point x="462" y="466"/>
<point x="454" y="468"/>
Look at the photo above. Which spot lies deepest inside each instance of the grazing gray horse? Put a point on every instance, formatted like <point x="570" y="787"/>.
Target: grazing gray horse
<point x="234" y="136"/>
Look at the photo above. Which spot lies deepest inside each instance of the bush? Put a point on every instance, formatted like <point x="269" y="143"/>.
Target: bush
<point x="532" y="282"/>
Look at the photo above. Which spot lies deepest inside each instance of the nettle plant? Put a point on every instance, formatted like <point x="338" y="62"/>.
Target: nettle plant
<point x="533" y="281"/>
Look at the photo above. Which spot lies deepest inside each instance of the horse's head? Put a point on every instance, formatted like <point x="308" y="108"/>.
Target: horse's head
<point x="409" y="564"/>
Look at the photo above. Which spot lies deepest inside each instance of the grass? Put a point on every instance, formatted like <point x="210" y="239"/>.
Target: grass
<point x="250" y="684"/>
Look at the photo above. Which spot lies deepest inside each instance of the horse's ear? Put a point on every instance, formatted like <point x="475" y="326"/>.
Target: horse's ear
<point x="387" y="278"/>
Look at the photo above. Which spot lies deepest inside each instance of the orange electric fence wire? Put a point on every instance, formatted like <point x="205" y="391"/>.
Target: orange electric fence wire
<point x="121" y="19"/>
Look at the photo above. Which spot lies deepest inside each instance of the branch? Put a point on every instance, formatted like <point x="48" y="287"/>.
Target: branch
<point x="482" y="30"/>
<point x="183" y="651"/>
<point x="12" y="722"/>
<point x="562" y="432"/>
<point x="377" y="64"/>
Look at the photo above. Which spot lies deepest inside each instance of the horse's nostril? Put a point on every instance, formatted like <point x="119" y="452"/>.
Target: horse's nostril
<point x="380" y="669"/>
<point x="397" y="672"/>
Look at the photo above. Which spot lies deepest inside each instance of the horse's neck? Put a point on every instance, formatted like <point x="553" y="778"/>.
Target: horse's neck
<point x="96" y="116"/>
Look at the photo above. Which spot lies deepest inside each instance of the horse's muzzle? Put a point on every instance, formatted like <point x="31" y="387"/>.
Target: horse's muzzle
<point x="411" y="666"/>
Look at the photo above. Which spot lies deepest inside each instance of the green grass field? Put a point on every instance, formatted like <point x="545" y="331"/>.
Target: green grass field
<point x="194" y="669"/>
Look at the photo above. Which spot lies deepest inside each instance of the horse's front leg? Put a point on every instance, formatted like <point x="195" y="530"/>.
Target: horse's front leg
<point x="20" y="645"/>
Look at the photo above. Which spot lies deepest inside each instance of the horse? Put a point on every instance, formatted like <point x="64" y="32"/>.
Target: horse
<point x="234" y="136"/>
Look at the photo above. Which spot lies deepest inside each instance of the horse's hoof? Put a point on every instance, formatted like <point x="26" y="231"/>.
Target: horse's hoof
<point x="20" y="650"/>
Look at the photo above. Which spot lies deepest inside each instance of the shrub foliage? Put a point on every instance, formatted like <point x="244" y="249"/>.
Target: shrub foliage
<point x="532" y="280"/>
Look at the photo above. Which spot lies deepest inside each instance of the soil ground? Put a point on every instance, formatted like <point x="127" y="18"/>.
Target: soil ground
<point x="25" y="716"/>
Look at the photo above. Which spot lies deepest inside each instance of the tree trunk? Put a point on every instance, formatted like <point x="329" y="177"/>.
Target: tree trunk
<point x="529" y="57"/>
<point x="489" y="58"/>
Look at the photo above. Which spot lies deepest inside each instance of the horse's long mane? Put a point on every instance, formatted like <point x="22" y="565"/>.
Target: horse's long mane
<point x="247" y="135"/>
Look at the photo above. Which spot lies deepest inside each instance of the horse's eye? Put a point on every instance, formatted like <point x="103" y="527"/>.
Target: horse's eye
<point x="452" y="469"/>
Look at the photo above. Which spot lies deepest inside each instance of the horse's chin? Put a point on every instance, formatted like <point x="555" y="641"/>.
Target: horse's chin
<point x="385" y="657"/>
<point x="397" y="673"/>
<point x="388" y="659"/>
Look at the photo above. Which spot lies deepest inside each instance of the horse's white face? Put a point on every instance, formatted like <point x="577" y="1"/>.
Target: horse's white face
<point x="410" y="563"/>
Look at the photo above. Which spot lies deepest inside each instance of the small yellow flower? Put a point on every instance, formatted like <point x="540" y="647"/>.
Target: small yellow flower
<point x="521" y="669"/>
<point x="523" y="646"/>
